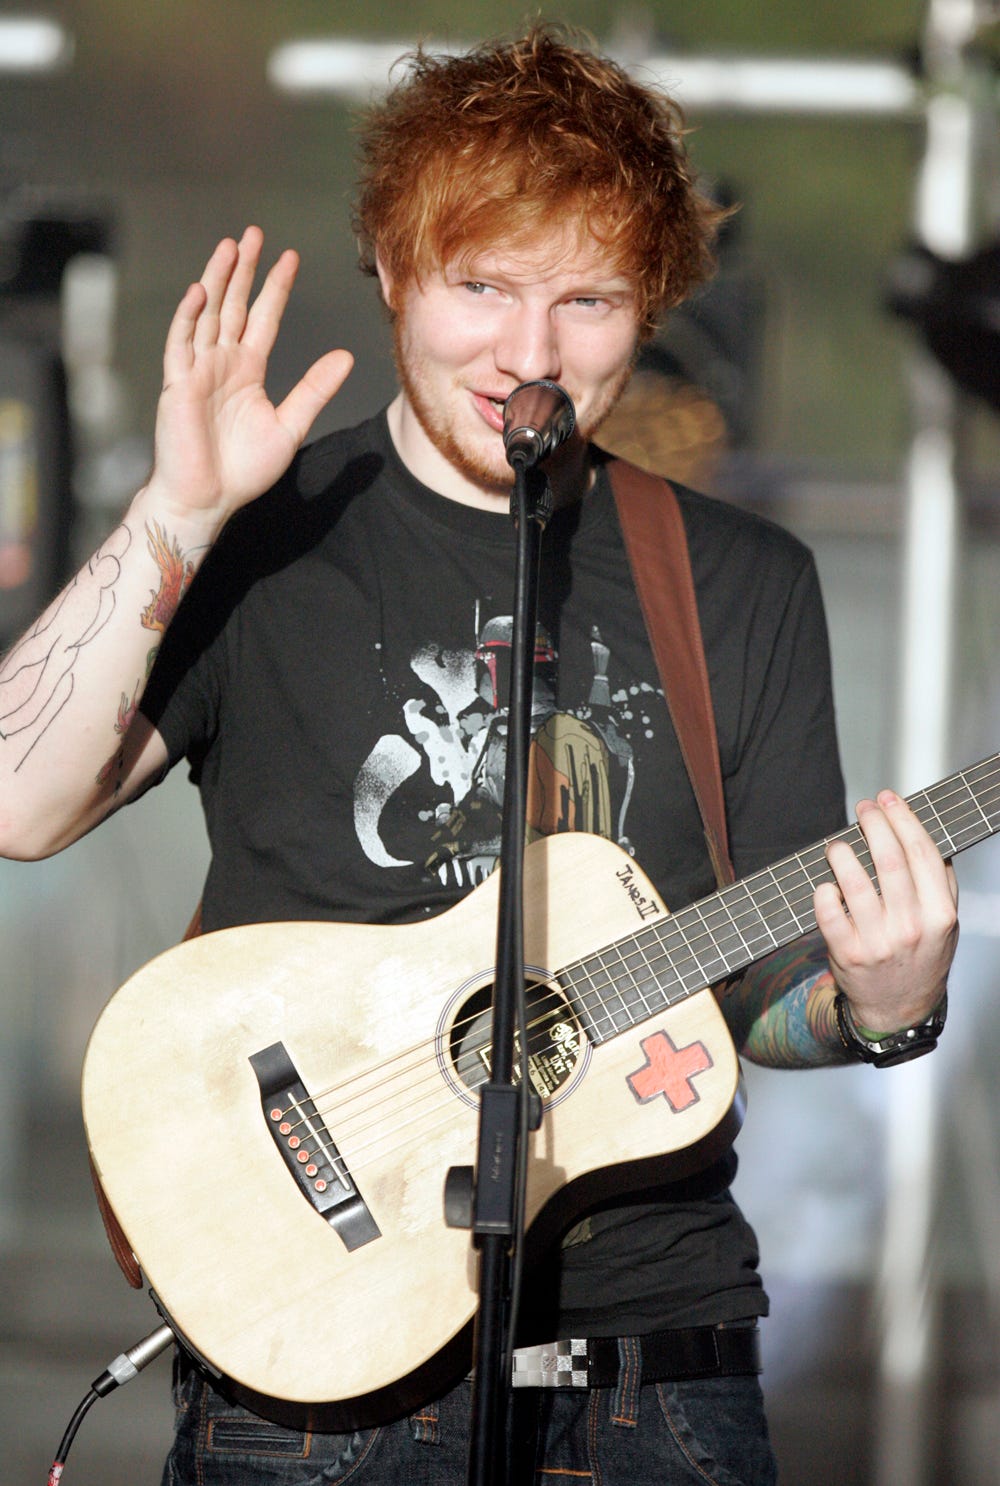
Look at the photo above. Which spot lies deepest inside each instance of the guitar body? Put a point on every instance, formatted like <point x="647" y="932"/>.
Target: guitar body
<point x="346" y="1322"/>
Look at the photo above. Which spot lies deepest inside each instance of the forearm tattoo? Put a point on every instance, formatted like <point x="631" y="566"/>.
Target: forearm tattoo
<point x="38" y="675"/>
<point x="782" y="1013"/>
<point x="36" y="679"/>
<point x="176" y="572"/>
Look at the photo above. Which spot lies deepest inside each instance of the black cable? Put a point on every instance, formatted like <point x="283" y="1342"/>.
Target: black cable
<point x="56" y="1468"/>
<point x="126" y="1366"/>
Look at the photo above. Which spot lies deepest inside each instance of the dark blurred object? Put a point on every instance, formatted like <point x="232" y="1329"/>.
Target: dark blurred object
<point x="695" y="394"/>
<point x="955" y="305"/>
<point x="35" y="501"/>
<point x="714" y="340"/>
<point x="38" y="239"/>
<point x="37" y="242"/>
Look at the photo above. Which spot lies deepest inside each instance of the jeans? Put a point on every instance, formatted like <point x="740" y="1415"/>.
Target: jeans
<point x="710" y="1432"/>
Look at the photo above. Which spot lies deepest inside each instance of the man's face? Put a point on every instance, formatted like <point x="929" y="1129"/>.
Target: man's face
<point x="467" y="335"/>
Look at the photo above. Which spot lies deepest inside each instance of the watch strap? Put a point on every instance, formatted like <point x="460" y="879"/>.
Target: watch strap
<point x="886" y="1049"/>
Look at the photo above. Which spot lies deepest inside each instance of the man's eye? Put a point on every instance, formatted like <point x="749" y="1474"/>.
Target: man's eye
<point x="475" y="286"/>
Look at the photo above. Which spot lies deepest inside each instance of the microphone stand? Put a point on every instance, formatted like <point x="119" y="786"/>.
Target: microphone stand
<point x="506" y="1109"/>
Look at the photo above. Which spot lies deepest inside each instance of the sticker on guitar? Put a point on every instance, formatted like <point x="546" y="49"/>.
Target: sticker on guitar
<point x="668" y="1070"/>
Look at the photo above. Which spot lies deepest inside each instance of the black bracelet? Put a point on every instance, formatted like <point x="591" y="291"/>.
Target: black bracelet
<point x="889" y="1048"/>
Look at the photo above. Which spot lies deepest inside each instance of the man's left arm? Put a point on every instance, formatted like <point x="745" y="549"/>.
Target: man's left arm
<point x="888" y="949"/>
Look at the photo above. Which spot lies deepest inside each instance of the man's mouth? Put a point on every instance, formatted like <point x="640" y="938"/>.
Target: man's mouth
<point x="491" y="408"/>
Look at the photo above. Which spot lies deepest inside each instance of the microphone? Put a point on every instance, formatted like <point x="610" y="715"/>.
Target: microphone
<point x="537" y="418"/>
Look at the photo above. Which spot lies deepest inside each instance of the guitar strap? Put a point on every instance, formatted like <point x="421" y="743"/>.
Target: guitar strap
<point x="653" y="528"/>
<point x="656" y="544"/>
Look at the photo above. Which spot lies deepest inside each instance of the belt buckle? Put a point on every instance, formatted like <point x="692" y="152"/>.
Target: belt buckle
<point x="562" y="1364"/>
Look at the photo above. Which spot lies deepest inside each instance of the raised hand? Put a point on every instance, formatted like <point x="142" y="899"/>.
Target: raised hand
<point x="220" y="441"/>
<point x="890" y="951"/>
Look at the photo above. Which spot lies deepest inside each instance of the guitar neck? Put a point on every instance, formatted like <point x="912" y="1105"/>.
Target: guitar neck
<point x="718" y="936"/>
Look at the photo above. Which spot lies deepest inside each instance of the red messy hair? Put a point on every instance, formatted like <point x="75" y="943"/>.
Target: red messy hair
<point x="496" y="145"/>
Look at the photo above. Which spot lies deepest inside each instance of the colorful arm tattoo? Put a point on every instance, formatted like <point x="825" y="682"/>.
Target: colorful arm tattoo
<point x="176" y="573"/>
<point x="781" y="1013"/>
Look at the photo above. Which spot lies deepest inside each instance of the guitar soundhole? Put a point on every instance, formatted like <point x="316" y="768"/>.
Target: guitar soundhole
<point x="557" y="1048"/>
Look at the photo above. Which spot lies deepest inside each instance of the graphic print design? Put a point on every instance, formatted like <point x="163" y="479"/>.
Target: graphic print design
<point x="580" y="770"/>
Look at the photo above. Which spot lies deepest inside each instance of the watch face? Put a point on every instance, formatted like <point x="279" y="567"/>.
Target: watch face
<point x="901" y="1049"/>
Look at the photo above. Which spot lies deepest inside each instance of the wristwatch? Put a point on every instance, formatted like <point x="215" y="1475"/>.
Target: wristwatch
<point x="885" y="1049"/>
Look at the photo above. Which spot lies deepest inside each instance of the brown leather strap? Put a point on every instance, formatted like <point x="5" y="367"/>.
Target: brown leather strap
<point x="651" y="521"/>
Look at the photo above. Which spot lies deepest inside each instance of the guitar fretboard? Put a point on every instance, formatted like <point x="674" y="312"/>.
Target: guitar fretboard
<point x="644" y="973"/>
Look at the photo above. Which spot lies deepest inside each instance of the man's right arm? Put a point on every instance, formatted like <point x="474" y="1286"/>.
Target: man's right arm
<point x="73" y="744"/>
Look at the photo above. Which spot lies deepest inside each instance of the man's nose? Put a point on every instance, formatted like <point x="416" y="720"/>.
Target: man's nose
<point x="528" y="346"/>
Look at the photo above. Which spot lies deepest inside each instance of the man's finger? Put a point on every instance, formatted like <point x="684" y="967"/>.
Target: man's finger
<point x="215" y="280"/>
<point x="236" y="297"/>
<point x="264" y="318"/>
<point x="309" y="397"/>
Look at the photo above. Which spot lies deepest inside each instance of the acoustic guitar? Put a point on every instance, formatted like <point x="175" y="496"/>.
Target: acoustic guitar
<point x="272" y="1110"/>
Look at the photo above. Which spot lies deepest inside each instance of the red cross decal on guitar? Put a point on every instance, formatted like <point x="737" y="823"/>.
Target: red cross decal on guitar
<point x="668" y="1071"/>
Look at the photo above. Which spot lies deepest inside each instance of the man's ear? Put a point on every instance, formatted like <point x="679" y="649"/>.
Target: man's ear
<point x="385" y="280"/>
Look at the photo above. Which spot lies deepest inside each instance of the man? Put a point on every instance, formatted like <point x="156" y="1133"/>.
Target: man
<point x="332" y="676"/>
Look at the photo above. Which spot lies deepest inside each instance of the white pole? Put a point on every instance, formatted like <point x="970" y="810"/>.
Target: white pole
<point x="907" y="1287"/>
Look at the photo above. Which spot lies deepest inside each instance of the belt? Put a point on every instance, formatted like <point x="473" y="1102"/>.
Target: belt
<point x="689" y="1352"/>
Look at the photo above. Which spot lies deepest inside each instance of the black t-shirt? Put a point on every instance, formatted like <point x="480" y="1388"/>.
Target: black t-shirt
<point x="336" y="678"/>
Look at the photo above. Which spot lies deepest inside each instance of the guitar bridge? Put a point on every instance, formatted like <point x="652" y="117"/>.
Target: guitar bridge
<point x="309" y="1153"/>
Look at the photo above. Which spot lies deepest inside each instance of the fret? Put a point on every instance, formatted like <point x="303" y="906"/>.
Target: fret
<point x="984" y="781"/>
<point x="753" y="904"/>
<point x="714" y="938"/>
<point x="605" y="1011"/>
<point x="667" y="969"/>
<point x="926" y="812"/>
<point x="630" y="972"/>
<point x="678" y="936"/>
<point x="618" y="987"/>
<point x="958" y="817"/>
<point x="963" y="809"/>
<point x="718" y="938"/>
<point x="703" y="962"/>
<point x="784" y="914"/>
<point x="742" y="901"/>
<point x="587" y="1004"/>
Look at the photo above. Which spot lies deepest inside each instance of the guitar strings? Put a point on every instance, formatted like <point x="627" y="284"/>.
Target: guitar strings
<point x="424" y="1063"/>
<point x="701" y="975"/>
<point x="792" y="891"/>
<point x="420" y="1125"/>
<point x="424" y="1058"/>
